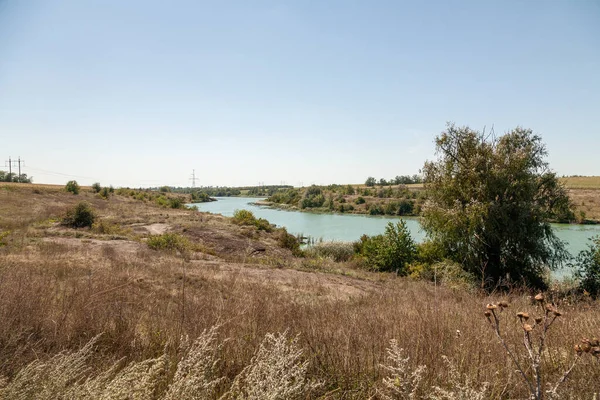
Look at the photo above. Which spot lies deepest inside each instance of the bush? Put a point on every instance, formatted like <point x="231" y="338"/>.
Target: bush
<point x="263" y="225"/>
<point x="169" y="241"/>
<point x="406" y="207"/>
<point x="162" y="201"/>
<point x="288" y="241"/>
<point x="96" y="188"/>
<point x="80" y="216"/>
<point x="104" y="193"/>
<point x="243" y="217"/>
<point x="176" y="202"/>
<point x="587" y="268"/>
<point x="72" y="187"/>
<point x="360" y="200"/>
<point x="247" y="218"/>
<point x="391" y="251"/>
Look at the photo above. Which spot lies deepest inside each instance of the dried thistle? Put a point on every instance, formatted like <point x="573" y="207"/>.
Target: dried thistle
<point x="539" y="297"/>
<point x="534" y="343"/>
<point x="523" y="315"/>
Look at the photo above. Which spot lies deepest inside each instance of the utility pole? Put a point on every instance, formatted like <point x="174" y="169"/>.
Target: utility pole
<point x="20" y="166"/>
<point x="9" y="167"/>
<point x="193" y="178"/>
<point x="12" y="163"/>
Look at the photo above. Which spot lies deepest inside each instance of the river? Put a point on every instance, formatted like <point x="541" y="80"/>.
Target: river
<point x="349" y="227"/>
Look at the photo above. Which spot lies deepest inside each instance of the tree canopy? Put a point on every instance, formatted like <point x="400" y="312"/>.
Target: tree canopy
<point x="490" y="200"/>
<point x="12" y="177"/>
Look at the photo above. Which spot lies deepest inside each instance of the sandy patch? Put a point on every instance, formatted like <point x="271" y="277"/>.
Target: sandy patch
<point x="121" y="246"/>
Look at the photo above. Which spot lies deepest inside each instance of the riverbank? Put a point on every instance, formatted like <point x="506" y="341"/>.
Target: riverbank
<point x="144" y="276"/>
<point x="408" y="200"/>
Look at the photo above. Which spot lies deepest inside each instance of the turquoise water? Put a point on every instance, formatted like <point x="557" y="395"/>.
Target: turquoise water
<point x="348" y="227"/>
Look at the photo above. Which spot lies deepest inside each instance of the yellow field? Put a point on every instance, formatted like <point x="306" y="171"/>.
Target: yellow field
<point x="581" y="182"/>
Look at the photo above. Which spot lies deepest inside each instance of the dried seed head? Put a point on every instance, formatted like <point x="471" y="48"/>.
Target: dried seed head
<point x="491" y="306"/>
<point x="595" y="342"/>
<point x="578" y="349"/>
<point x="539" y="297"/>
<point x="527" y="327"/>
<point x="595" y="351"/>
<point x="487" y="314"/>
<point x="549" y="308"/>
<point x="523" y="315"/>
<point x="503" y="304"/>
<point x="556" y="313"/>
<point x="538" y="320"/>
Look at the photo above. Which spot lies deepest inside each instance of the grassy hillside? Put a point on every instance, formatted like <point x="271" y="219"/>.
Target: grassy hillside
<point x="148" y="277"/>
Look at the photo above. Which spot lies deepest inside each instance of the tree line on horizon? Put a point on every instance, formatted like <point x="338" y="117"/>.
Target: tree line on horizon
<point x="398" y="180"/>
<point x="13" y="177"/>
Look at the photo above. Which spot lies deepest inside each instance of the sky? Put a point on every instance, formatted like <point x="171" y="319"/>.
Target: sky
<point x="140" y="93"/>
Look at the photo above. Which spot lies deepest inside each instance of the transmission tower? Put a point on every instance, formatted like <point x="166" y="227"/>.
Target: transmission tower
<point x="193" y="178"/>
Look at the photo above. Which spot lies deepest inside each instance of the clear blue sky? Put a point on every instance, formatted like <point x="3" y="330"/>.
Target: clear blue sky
<point x="139" y="93"/>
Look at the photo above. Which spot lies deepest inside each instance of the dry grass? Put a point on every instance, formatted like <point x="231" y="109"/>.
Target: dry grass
<point x="60" y="287"/>
<point x="581" y="182"/>
<point x="588" y="201"/>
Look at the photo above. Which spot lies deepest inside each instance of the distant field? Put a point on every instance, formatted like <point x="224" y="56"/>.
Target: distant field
<point x="581" y="182"/>
<point x="39" y="186"/>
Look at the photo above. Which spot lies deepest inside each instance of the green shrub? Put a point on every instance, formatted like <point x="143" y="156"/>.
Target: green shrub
<point x="288" y="241"/>
<point x="243" y="217"/>
<point x="247" y="218"/>
<point x="406" y="207"/>
<point x="360" y="200"/>
<point x="263" y="225"/>
<point x="96" y="188"/>
<point x="104" y="193"/>
<point x="80" y="216"/>
<point x="391" y="251"/>
<point x="169" y="241"/>
<point x="176" y="202"/>
<point x="72" y="187"/>
<point x="428" y="252"/>
<point x="375" y="209"/>
<point x="162" y="201"/>
<point x="587" y="268"/>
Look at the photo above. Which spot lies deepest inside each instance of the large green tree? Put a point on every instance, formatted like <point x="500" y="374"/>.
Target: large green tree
<point x="490" y="200"/>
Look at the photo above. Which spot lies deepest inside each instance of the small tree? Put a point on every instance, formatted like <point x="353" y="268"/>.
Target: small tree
<point x="72" y="187"/>
<point x="490" y="200"/>
<point x="80" y="216"/>
<point x="391" y="251"/>
<point x="96" y="188"/>
<point x="370" y="181"/>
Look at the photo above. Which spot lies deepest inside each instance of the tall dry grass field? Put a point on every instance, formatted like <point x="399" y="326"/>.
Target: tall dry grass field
<point x="60" y="288"/>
